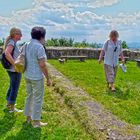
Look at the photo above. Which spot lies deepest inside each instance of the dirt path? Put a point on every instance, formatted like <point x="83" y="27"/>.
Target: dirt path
<point x="91" y="114"/>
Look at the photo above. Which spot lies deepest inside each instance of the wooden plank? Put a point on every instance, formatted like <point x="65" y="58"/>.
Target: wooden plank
<point x="137" y="60"/>
<point x="73" y="56"/>
<point x="81" y="58"/>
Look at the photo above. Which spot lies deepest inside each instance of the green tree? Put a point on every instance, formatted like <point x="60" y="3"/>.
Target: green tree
<point x="1" y="43"/>
<point x="52" y="42"/>
<point x="71" y="41"/>
<point x="63" y="42"/>
<point x="124" y="45"/>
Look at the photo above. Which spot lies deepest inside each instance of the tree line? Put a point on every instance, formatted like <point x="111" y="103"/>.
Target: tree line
<point x="65" y="42"/>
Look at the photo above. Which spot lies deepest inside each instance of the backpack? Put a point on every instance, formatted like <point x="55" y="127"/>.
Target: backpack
<point x="5" y="63"/>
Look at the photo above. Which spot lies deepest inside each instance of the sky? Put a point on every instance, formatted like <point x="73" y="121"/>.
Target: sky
<point x="79" y="19"/>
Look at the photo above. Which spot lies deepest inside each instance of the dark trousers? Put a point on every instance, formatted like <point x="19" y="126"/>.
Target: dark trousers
<point x="15" y="79"/>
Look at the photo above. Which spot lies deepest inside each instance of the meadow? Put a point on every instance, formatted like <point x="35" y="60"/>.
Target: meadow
<point x="62" y="124"/>
<point x="89" y="75"/>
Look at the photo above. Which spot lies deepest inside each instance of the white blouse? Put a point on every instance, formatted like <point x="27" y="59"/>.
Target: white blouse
<point x="112" y="52"/>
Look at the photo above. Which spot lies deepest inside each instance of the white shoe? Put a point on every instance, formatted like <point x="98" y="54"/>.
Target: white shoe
<point x="16" y="110"/>
<point x="40" y="124"/>
<point x="123" y="67"/>
<point x="7" y="106"/>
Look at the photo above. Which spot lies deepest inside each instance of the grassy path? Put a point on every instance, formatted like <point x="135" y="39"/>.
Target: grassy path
<point x="62" y="125"/>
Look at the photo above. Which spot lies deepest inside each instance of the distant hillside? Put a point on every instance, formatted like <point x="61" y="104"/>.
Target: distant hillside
<point x="134" y="45"/>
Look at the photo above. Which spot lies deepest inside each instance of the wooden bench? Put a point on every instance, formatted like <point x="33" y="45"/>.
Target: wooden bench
<point x="81" y="58"/>
<point x="138" y="62"/>
<point x="126" y="58"/>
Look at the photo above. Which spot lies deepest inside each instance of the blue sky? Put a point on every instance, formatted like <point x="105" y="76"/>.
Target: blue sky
<point x="80" y="19"/>
<point x="7" y="7"/>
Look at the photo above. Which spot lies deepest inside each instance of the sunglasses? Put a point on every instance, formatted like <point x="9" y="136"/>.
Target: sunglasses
<point x="115" y="49"/>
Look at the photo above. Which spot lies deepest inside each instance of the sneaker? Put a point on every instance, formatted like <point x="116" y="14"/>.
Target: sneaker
<point x="15" y="110"/>
<point x="8" y="106"/>
<point x="39" y="124"/>
<point x="123" y="67"/>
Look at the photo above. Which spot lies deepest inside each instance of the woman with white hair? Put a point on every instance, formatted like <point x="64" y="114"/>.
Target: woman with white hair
<point x="111" y="51"/>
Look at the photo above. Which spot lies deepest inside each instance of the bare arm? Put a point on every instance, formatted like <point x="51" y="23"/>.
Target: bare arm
<point x="43" y="67"/>
<point x="8" y="55"/>
<point x="101" y="55"/>
<point x="122" y="57"/>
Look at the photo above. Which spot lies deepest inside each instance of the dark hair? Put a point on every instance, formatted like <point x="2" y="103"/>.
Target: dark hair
<point x="38" y="33"/>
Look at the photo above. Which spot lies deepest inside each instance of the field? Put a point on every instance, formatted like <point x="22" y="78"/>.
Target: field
<point x="62" y="124"/>
<point x="125" y="103"/>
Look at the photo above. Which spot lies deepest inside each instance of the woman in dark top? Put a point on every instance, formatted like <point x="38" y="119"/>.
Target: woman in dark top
<point x="12" y="52"/>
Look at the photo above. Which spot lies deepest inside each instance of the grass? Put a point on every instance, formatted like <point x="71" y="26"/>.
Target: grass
<point x="125" y="103"/>
<point x="62" y="124"/>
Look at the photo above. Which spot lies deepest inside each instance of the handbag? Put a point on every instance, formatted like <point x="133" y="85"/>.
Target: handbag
<point x="5" y="63"/>
<point x="20" y="62"/>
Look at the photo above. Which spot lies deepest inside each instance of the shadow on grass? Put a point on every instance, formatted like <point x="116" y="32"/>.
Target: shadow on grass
<point x="120" y="94"/>
<point x="27" y="132"/>
<point x="7" y="122"/>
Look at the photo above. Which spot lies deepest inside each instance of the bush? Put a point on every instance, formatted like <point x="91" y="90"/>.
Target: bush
<point x="1" y="43"/>
<point x="124" y="45"/>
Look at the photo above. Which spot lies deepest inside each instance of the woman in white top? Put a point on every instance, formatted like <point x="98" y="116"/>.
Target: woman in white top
<point x="111" y="51"/>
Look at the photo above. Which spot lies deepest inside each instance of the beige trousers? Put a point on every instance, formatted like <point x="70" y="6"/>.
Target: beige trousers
<point x="110" y="73"/>
<point x="34" y="99"/>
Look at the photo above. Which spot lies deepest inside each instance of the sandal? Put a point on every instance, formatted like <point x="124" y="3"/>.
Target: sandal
<point x="113" y="89"/>
<point x="109" y="85"/>
<point x="39" y="124"/>
<point x="28" y="120"/>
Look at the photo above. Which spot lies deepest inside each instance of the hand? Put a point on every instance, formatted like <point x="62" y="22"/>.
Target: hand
<point x="100" y="61"/>
<point x="123" y="61"/>
<point x="48" y="82"/>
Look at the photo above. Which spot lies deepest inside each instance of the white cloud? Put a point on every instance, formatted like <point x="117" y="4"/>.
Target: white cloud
<point x="101" y="3"/>
<point x="63" y="18"/>
<point x="55" y="5"/>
